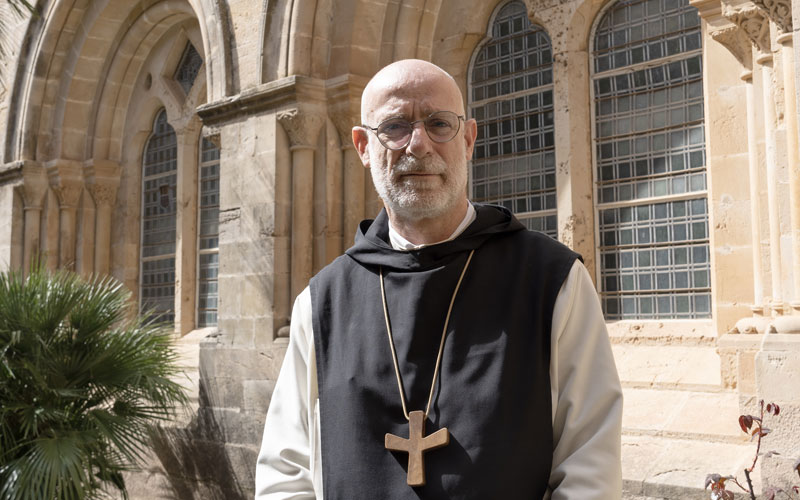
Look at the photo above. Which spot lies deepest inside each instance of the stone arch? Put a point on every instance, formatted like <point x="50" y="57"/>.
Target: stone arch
<point x="112" y="123"/>
<point x="456" y="42"/>
<point x="79" y="51"/>
<point x="487" y="35"/>
<point x="320" y="38"/>
<point x="582" y="24"/>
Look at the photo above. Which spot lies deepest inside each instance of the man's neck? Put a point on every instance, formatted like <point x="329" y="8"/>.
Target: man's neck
<point x="432" y="230"/>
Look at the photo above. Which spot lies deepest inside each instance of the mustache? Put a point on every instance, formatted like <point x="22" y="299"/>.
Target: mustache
<point x="411" y="165"/>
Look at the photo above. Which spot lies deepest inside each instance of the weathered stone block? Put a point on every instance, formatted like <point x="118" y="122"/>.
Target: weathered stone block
<point x="221" y="392"/>
<point x="257" y="395"/>
<point x="737" y="354"/>
<point x="227" y="425"/>
<point x="218" y="360"/>
<point x="778" y="381"/>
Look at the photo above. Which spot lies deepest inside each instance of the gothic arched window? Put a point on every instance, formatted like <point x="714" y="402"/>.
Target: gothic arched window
<point x="159" y="184"/>
<point x="511" y="97"/>
<point x="208" y="235"/>
<point x="651" y="197"/>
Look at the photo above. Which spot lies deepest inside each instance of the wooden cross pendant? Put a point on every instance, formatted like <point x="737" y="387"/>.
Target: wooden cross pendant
<point x="417" y="444"/>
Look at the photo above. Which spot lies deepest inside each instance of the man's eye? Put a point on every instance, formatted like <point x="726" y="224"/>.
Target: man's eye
<point x="439" y="124"/>
<point x="393" y="127"/>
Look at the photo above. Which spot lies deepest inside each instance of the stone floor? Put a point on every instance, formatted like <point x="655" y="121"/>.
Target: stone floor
<point x="679" y="423"/>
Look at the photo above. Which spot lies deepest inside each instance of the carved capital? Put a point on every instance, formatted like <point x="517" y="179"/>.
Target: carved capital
<point x="302" y="125"/>
<point x="102" y="180"/>
<point x="103" y="194"/>
<point x="778" y="11"/>
<point x="214" y="139"/>
<point x="733" y="38"/>
<point x="66" y="179"/>
<point x="344" y="123"/>
<point x="753" y="23"/>
<point x="344" y="105"/>
<point x="34" y="184"/>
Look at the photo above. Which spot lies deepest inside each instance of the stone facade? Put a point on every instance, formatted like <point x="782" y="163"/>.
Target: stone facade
<point x="278" y="92"/>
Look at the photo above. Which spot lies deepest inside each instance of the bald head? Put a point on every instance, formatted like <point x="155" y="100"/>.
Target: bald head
<point x="409" y="78"/>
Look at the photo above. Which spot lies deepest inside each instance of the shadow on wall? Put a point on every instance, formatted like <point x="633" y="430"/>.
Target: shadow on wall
<point x="195" y="459"/>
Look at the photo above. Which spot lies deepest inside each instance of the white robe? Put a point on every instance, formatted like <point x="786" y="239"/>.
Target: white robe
<point x="585" y="390"/>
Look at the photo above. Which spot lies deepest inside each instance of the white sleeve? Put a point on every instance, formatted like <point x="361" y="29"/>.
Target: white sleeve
<point x="586" y="395"/>
<point x="284" y="470"/>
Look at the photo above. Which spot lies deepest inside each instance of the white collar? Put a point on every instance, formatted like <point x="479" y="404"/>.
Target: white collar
<point x="400" y="243"/>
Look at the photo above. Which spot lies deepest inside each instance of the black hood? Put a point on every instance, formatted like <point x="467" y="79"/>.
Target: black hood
<point x="372" y="247"/>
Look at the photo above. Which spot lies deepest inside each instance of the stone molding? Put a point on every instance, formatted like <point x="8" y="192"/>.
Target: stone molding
<point x="11" y="173"/>
<point x="302" y="124"/>
<point x="102" y="180"/>
<point x="753" y="23"/>
<point x="762" y="324"/>
<point x="272" y="95"/>
<point x="778" y="11"/>
<point x="66" y="179"/>
<point x="733" y="38"/>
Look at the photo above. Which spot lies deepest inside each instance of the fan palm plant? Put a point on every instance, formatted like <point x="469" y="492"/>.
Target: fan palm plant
<point x="82" y="379"/>
<point x="11" y="11"/>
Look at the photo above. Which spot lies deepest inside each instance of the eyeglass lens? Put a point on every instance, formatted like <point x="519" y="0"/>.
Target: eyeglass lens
<point x="441" y="126"/>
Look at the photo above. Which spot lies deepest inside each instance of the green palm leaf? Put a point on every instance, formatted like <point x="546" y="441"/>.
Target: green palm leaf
<point x="82" y="380"/>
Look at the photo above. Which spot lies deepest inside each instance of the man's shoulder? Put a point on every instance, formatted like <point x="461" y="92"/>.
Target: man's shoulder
<point x="340" y="266"/>
<point x="537" y="243"/>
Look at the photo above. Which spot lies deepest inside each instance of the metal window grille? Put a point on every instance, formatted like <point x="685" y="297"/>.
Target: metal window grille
<point x="188" y="68"/>
<point x="650" y="162"/>
<point x="208" y="235"/>
<point x="511" y="94"/>
<point x="159" y="184"/>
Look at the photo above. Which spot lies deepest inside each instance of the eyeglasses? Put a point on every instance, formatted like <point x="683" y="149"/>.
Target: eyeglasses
<point x="395" y="133"/>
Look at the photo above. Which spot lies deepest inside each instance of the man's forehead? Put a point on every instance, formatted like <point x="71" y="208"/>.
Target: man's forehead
<point x="411" y="96"/>
<point x="393" y="105"/>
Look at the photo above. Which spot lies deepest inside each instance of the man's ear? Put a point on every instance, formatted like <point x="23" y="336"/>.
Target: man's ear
<point x="360" y="141"/>
<point x="470" y="134"/>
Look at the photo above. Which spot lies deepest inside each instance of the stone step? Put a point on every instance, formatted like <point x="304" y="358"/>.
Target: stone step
<point x="708" y="416"/>
<point x="672" y="468"/>
<point x="684" y="367"/>
<point x="672" y="439"/>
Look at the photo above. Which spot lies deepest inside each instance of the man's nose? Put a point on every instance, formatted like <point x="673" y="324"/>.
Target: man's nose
<point x="420" y="144"/>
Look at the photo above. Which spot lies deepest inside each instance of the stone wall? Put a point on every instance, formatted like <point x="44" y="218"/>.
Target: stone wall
<point x="278" y="93"/>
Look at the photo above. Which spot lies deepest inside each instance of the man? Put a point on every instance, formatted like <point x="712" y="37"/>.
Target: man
<point x="449" y="353"/>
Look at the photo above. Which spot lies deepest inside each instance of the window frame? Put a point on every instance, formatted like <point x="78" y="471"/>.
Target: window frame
<point x="207" y="251"/>
<point x="651" y="200"/>
<point x="142" y="203"/>
<point x="543" y="214"/>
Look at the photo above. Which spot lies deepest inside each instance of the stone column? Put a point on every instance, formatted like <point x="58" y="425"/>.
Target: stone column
<point x="755" y="188"/>
<point x="573" y="151"/>
<point x="34" y="188"/>
<point x="102" y="181"/>
<point x="353" y="178"/>
<point x="770" y="124"/>
<point x="756" y="26"/>
<point x="66" y="179"/>
<point x="793" y="157"/>
<point x="302" y="125"/>
<point x="780" y="13"/>
<point x="186" y="230"/>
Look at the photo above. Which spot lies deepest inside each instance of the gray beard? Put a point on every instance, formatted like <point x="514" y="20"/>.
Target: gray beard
<point x="405" y="201"/>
